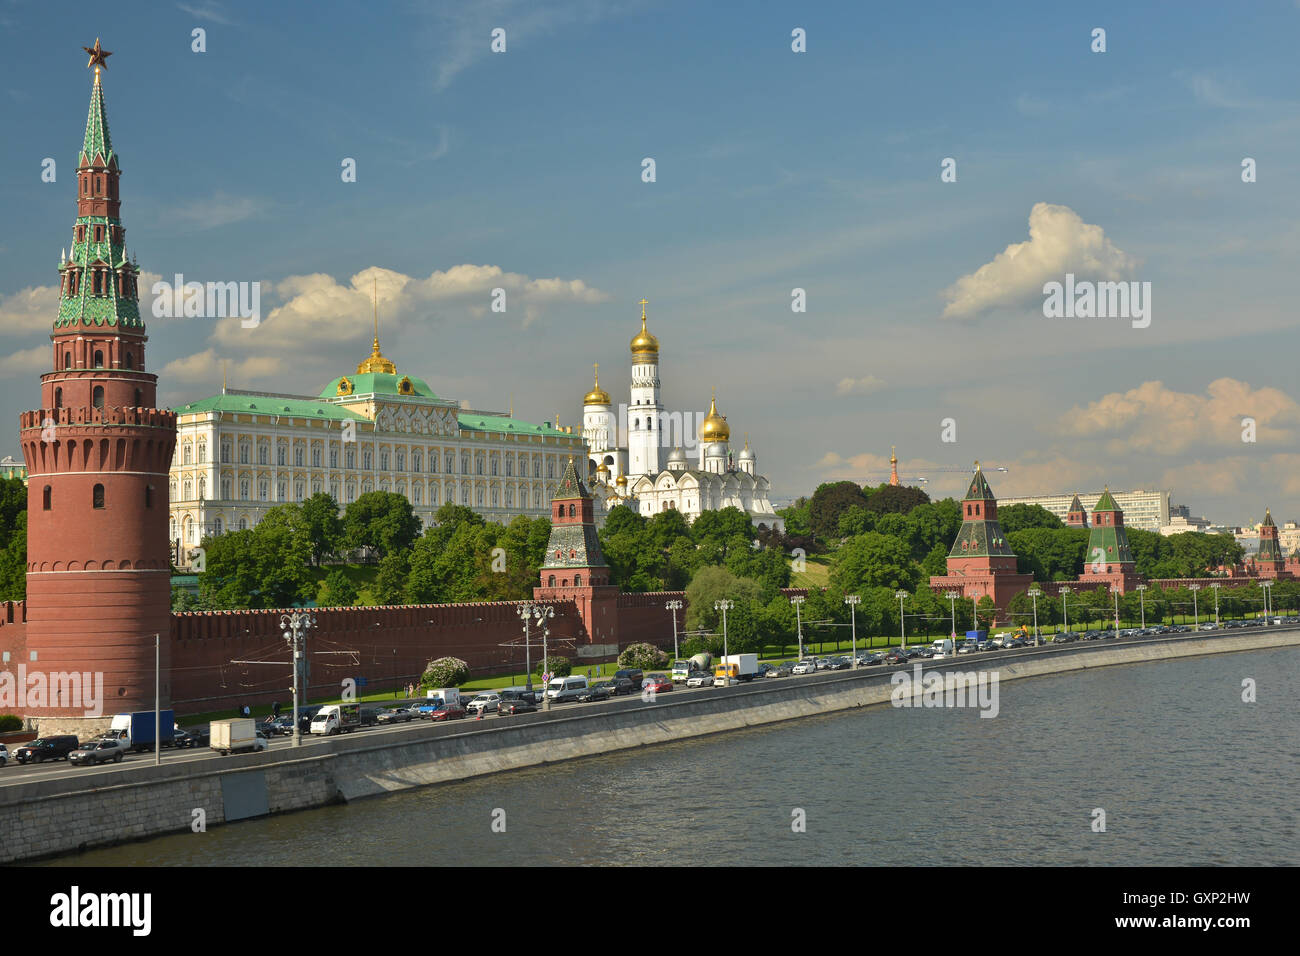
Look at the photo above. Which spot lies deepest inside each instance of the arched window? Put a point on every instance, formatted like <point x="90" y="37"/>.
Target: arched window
<point x="203" y="488"/>
<point x="99" y="359"/>
<point x="97" y="497"/>
<point x="67" y="360"/>
<point x="243" y="524"/>
<point x="550" y="581"/>
<point x="148" y="496"/>
<point x="130" y="360"/>
<point x="218" y="526"/>
<point x="97" y="398"/>
<point x="58" y="398"/>
<point x="572" y="511"/>
<point x="188" y="452"/>
<point x="297" y="457"/>
<point x="577" y="580"/>
<point x="281" y="455"/>
<point x="139" y="398"/>
<point x="45" y="498"/>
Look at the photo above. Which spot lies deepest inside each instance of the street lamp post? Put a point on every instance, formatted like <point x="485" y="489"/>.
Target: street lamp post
<point x="1268" y="611"/>
<point x="1034" y="595"/>
<point x="296" y="625"/>
<point x="531" y="614"/>
<point x="1065" y="609"/>
<point x="952" y="597"/>
<point x="1216" y="585"/>
<point x="1196" y="614"/>
<point x="1142" y="603"/>
<point x="673" y="607"/>
<point x="853" y="600"/>
<point x="902" y="625"/>
<point x="724" y="606"/>
<point x="1115" y="593"/>
<point x="797" y="601"/>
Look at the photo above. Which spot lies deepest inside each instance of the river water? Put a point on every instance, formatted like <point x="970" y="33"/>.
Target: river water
<point x="1186" y="772"/>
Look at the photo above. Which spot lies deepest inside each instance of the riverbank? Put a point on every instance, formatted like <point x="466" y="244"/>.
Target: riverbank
<point x="64" y="814"/>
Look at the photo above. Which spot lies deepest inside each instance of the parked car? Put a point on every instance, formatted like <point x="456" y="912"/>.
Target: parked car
<point x="896" y="656"/>
<point x="623" y="685"/>
<point x="805" y="666"/>
<point x="369" y="716"/>
<point x="4" y="755"/>
<point x="601" y="690"/>
<point x="700" y="679"/>
<point x="97" y="751"/>
<point x="453" y="711"/>
<point x="823" y="663"/>
<point x="631" y="673"/>
<point x="397" y="715"/>
<point x="725" y="681"/>
<point x="838" y="664"/>
<point x="47" y="748"/>
<point x="515" y="706"/>
<point x="520" y="693"/>
<point x="657" y="684"/>
<point x="781" y="670"/>
<point x="485" y="702"/>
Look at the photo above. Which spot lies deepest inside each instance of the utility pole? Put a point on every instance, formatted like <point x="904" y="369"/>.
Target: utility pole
<point x="157" y="699"/>
<point x="1216" y="585"/>
<point x="952" y="597"/>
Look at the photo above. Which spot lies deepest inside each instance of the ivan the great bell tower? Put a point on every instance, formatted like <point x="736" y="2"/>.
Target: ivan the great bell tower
<point x="97" y="452"/>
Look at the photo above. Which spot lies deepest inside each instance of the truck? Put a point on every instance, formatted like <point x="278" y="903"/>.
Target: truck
<point x="448" y="696"/>
<point x="336" y="719"/>
<point x="237" y="735"/>
<point x="136" y="730"/>
<point x="945" y="647"/>
<point x="738" y="666"/>
<point x="682" y="670"/>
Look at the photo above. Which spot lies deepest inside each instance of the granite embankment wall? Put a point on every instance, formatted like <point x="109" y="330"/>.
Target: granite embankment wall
<point x="64" y="814"/>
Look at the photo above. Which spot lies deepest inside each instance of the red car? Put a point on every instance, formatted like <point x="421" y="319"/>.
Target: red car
<point x="656" y="685"/>
<point x="447" y="712"/>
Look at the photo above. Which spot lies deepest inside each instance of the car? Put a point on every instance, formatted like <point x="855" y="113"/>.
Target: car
<point x="700" y="679"/>
<point x="485" y="702"/>
<point x="631" y="673"/>
<point x="305" y="715"/>
<point x="4" y="755"/>
<point x="96" y="752"/>
<point x="200" y="736"/>
<point x="269" y="727"/>
<point x="369" y="716"/>
<point x="780" y="670"/>
<point x="515" y="706"/>
<point x="601" y="690"/>
<point x="839" y="664"/>
<point x="804" y="666"/>
<point x="520" y="693"/>
<point x="656" y="684"/>
<point x="452" y="712"/>
<point x="896" y="657"/>
<point x="182" y="739"/>
<point x="397" y="715"/>
<point x="823" y="663"/>
<point x="871" y="660"/>
<point x="967" y="647"/>
<point x="623" y="685"/>
<point x="725" y="681"/>
<point x="47" y="748"/>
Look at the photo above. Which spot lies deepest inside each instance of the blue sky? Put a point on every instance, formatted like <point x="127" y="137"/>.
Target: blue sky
<point x="775" y="170"/>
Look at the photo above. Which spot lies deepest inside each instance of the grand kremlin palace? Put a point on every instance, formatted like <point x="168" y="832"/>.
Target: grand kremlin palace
<point x="240" y="453"/>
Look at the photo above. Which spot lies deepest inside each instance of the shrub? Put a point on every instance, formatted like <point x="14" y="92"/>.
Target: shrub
<point x="643" y="656"/>
<point x="10" y="722"/>
<point x="558" y="666"/>
<point x="444" y="672"/>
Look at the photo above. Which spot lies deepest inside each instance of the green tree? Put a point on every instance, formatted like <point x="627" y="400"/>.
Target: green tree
<point x="382" y="521"/>
<point x="444" y="672"/>
<point x="324" y="526"/>
<point x="337" y="590"/>
<point x="1019" y="517"/>
<point x="898" y="499"/>
<point x="986" y="611"/>
<point x="710" y="584"/>
<point x="829" y="502"/>
<point x="557" y="666"/>
<point x="873" y="560"/>
<point x="390" y="582"/>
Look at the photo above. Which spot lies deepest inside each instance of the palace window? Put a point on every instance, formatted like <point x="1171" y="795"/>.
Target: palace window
<point x="366" y="459"/>
<point x="352" y="492"/>
<point x="351" y="458"/>
<point x="263" y="454"/>
<point x="243" y="454"/>
<point x="494" y="466"/>
<point x="401" y="460"/>
<point x="282" y="491"/>
<point x="225" y="452"/>
<point x="537" y="468"/>
<point x="297" y="457"/>
<point x="383" y="460"/>
<point x="263" y="489"/>
<point x="464" y="465"/>
<point x="495" y="502"/>
<point x="510" y="497"/>
<point x="188" y="453"/>
<point x="478" y="498"/>
<point x="315" y="457"/>
<point x="203" y="452"/>
<point x="243" y="489"/>
<point x="281" y="455"/>
<point x="203" y="488"/>
<point x="334" y="457"/>
<point x="451" y="464"/>
<point x="316" y="485"/>
<point x="550" y="469"/>
<point x="510" y="467"/>
<point x="225" y="489"/>
<point x="416" y="461"/>
<point x="243" y="524"/>
<point x="464" y="496"/>
<point x="415" y="494"/>
<point x="478" y="465"/>
<point x="537" y="499"/>
<point x="218" y="526"/>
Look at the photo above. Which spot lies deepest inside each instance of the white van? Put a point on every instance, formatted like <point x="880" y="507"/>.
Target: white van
<point x="944" y="648"/>
<point x="566" y="688"/>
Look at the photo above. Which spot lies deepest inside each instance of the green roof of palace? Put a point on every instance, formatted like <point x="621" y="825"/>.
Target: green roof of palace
<point x="270" y="405"/>
<point x="379" y="383"/>
<point x="506" y="425"/>
<point x="97" y="141"/>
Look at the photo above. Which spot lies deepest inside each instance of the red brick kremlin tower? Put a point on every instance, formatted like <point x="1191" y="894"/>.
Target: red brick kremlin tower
<point x="1076" y="517"/>
<point x="1269" y="562"/>
<point x="981" y="563"/>
<point x="1109" y="560"/>
<point x="97" y="452"/>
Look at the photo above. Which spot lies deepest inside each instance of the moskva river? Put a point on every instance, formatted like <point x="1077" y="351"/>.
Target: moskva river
<point x="1184" y="771"/>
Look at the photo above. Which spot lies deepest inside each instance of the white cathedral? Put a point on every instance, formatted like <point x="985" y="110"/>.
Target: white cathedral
<point x="641" y="476"/>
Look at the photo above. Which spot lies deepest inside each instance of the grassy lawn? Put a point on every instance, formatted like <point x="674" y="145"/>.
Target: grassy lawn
<point x="817" y="573"/>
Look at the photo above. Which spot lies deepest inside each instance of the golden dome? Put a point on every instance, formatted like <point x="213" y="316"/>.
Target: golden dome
<point x="715" y="427"/>
<point x="376" y="362"/>
<point x="597" y="395"/>
<point x="621" y="481"/>
<point x="645" y="343"/>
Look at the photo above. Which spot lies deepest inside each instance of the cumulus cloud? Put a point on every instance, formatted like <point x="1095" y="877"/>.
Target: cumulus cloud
<point x="1154" y="419"/>
<point x="28" y="362"/>
<point x="29" y="310"/>
<point x="218" y="210"/>
<point x="859" y="386"/>
<point x="1059" y="242"/>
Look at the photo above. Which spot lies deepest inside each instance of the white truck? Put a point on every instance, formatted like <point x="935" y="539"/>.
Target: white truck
<point x="944" y="648"/>
<point x="336" y="719"/>
<point x="735" y="667"/>
<point x="238" y="735"/>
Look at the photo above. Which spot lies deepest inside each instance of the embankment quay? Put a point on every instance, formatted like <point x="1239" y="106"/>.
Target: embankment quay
<point x="55" y="809"/>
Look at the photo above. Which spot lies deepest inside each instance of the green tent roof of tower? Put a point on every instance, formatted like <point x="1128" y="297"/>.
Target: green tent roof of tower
<point x="1269" y="547"/>
<point x="1107" y="543"/>
<point x="573" y="545"/>
<point x="1076" y="506"/>
<point x="1105" y="503"/>
<point x="97" y="142"/>
<point x="1268" y="519"/>
<point x="570" y="486"/>
<point x="979" y="489"/>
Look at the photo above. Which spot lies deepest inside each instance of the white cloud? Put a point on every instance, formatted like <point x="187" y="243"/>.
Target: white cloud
<point x="28" y="362"/>
<point x="860" y="386"/>
<point x="1059" y="242"/>
<point x="29" y="310"/>
<point x="219" y="210"/>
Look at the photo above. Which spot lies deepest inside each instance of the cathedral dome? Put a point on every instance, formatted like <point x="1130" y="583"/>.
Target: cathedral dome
<point x="677" y="460"/>
<point x="597" y="395"/>
<point x="746" y="453"/>
<point x="645" y="343"/>
<point x="715" y="427"/>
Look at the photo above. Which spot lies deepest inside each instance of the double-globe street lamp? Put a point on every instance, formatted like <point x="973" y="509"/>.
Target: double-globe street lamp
<point x="724" y="606"/>
<point x="1142" y="603"/>
<point x="797" y="601"/>
<point x="1268" y="607"/>
<point x="296" y="625"/>
<point x="952" y="597"/>
<point x="673" y="607"/>
<point x="1065" y="610"/>
<point x="1216" y="585"/>
<point x="1196" y="614"/>
<point x="853" y="600"/>
<point x="531" y="614"/>
<point x="902" y="626"/>
<point x="1034" y="595"/>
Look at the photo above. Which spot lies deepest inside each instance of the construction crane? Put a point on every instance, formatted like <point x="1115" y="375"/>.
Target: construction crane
<point x="872" y="478"/>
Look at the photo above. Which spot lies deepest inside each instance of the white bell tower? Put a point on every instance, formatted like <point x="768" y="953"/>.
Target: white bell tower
<point x="644" y="412"/>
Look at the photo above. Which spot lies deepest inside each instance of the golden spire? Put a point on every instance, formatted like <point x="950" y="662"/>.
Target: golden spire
<point x="223" y="376"/>
<point x="512" y="406"/>
<point x="597" y="395"/>
<point x="645" y="343"/>
<point x="376" y="362"/>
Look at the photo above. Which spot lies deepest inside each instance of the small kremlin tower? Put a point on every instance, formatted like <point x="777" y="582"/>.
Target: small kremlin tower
<point x="98" y="452"/>
<point x="1076" y="517"/>
<point x="1269" y="562"/>
<point x="1108" y="559"/>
